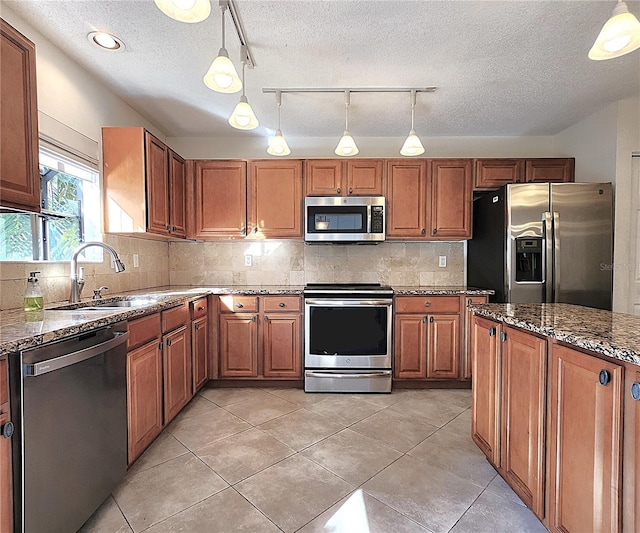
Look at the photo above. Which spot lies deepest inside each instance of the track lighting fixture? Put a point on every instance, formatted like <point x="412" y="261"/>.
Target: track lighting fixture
<point x="243" y="117"/>
<point x="347" y="146"/>
<point x="619" y="36"/>
<point x="278" y="145"/>
<point x="185" y="10"/>
<point x="412" y="145"/>
<point x="222" y="76"/>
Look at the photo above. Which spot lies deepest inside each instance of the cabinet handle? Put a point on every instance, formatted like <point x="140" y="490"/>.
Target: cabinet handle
<point x="161" y="346"/>
<point x="253" y="319"/>
<point x="338" y="190"/>
<point x="169" y="227"/>
<point x="435" y="231"/>
<point x="503" y="336"/>
<point x="243" y="231"/>
<point x="604" y="377"/>
<point x="239" y="305"/>
<point x="266" y="319"/>
<point x="197" y="327"/>
<point x="424" y="319"/>
<point x="7" y="430"/>
<point x="173" y="228"/>
<point x="431" y="319"/>
<point x="350" y="190"/>
<point x="168" y="342"/>
<point x="423" y="231"/>
<point x="281" y="304"/>
<point x="255" y="230"/>
<point x="427" y="304"/>
<point x="635" y="390"/>
<point x="201" y="308"/>
<point x="492" y="331"/>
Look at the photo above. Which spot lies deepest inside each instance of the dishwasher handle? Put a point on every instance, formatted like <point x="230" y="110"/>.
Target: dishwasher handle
<point x="44" y="367"/>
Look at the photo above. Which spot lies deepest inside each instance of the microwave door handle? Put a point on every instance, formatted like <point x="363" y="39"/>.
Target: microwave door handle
<point x="547" y="229"/>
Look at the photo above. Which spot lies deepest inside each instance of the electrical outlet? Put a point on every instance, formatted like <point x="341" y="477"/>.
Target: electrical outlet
<point x="136" y="261"/>
<point x="442" y="261"/>
<point x="247" y="260"/>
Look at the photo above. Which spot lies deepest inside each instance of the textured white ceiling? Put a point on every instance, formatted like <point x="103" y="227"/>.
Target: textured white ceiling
<point x="502" y="68"/>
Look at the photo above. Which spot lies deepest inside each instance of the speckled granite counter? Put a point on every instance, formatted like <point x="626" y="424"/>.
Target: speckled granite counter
<point x="441" y="291"/>
<point x="615" y="335"/>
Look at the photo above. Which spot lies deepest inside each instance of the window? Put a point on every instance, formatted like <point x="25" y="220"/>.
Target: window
<point x="70" y="212"/>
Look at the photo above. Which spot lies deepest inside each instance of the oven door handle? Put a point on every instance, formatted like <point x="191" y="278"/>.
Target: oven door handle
<point x="367" y="375"/>
<point x="343" y="303"/>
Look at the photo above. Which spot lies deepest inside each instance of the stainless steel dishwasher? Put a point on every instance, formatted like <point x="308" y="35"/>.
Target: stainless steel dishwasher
<point x="69" y="399"/>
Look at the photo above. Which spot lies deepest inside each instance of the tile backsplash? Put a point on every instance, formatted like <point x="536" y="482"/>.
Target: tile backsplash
<point x="295" y="263"/>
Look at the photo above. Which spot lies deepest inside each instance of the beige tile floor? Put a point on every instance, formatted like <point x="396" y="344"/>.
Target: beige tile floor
<point x="263" y="460"/>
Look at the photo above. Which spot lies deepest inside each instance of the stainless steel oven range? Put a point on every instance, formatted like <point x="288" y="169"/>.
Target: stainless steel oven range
<point x="347" y="330"/>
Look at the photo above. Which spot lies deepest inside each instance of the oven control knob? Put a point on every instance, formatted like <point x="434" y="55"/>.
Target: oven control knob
<point x="348" y="361"/>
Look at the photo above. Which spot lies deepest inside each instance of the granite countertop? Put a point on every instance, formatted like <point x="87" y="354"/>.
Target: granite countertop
<point x="615" y="335"/>
<point x="441" y="291"/>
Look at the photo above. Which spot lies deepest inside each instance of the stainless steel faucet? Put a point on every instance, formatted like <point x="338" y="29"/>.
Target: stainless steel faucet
<point x="77" y="284"/>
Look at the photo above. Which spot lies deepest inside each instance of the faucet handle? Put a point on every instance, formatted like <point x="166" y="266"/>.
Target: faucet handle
<point x="96" y="293"/>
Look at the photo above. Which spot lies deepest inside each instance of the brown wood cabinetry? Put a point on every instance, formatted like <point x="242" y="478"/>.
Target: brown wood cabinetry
<point x="6" y="480"/>
<point x="144" y="383"/>
<point x="275" y="199"/>
<point x="19" y="170"/>
<point x="451" y="187"/>
<point x="336" y="177"/>
<point x="427" y="337"/>
<point x="408" y="208"/>
<point x="631" y="460"/>
<point x="585" y="437"/>
<point x="199" y="343"/>
<point x="549" y="170"/>
<point x="176" y="357"/>
<point x="260" y="337"/>
<point x="144" y="184"/>
<point x="466" y="333"/>
<point x="523" y="415"/>
<point x="494" y="173"/>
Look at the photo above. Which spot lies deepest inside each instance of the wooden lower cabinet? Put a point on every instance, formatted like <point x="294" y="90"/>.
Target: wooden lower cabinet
<point x="443" y="352"/>
<point x="281" y="345"/>
<point x="631" y="460"/>
<point x="523" y="415"/>
<point x="199" y="352"/>
<point x="410" y="341"/>
<point x="6" y="480"/>
<point x="466" y="333"/>
<point x="176" y="355"/>
<point x="238" y="345"/>
<point x="585" y="438"/>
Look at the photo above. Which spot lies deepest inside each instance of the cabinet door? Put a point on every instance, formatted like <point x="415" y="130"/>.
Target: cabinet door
<point x="523" y="397"/>
<point x="19" y="171"/>
<point x="631" y="461"/>
<point x="6" y="480"/>
<point x="177" y="185"/>
<point x="220" y="199"/>
<point x="199" y="352"/>
<point x="494" y="173"/>
<point x="485" y="405"/>
<point x="410" y="351"/>
<point x="323" y="177"/>
<point x="550" y="170"/>
<point x="466" y="334"/>
<point x="144" y="396"/>
<point x="443" y="353"/>
<point x="282" y="346"/>
<point x="238" y="335"/>
<point x="177" y="372"/>
<point x="275" y="202"/>
<point x="157" y="169"/>
<point x="364" y="177"/>
<point x="407" y="195"/>
<point x="451" y="198"/>
<point x="584" y="442"/>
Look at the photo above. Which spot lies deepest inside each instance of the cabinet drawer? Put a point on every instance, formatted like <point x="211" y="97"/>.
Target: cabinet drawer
<point x="428" y="304"/>
<point x="232" y="303"/>
<point x="175" y="317"/>
<point x="199" y="308"/>
<point x="142" y="330"/>
<point x="280" y="303"/>
<point x="4" y="387"/>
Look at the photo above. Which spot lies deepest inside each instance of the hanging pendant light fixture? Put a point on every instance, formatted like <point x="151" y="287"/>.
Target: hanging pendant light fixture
<point x="347" y="146"/>
<point x="185" y="10"/>
<point x="278" y="145"/>
<point x="222" y="76"/>
<point x="619" y="35"/>
<point x="243" y="117"/>
<point x="412" y="145"/>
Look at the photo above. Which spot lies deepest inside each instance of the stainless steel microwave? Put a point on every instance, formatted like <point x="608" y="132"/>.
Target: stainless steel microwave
<point x="344" y="219"/>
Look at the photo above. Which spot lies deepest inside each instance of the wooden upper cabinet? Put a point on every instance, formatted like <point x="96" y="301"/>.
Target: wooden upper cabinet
<point x="407" y="199"/>
<point x="144" y="184"/>
<point x="451" y="188"/>
<point x="337" y="177"/>
<point x="550" y="170"/>
<point x="494" y="173"/>
<point x="19" y="170"/>
<point x="275" y="199"/>
<point x="220" y="199"/>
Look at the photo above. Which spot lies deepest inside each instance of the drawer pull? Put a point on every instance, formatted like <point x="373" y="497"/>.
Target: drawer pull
<point x="281" y="304"/>
<point x="239" y="305"/>
<point x="7" y="430"/>
<point x="201" y="308"/>
<point x="427" y="304"/>
<point x="338" y="190"/>
<point x="253" y="319"/>
<point x="604" y="377"/>
<point x="635" y="390"/>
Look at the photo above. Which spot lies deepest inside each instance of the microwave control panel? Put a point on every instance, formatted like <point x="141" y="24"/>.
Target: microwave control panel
<point x="377" y="219"/>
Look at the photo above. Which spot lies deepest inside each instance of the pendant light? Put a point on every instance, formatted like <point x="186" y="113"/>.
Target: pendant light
<point x="222" y="76"/>
<point x="243" y="117"/>
<point x="185" y="10"/>
<point x="412" y="145"/>
<point x="619" y="36"/>
<point x="278" y="145"/>
<point x="347" y="146"/>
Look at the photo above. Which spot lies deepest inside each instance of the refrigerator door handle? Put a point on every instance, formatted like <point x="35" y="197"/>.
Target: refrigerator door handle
<point x="556" y="256"/>
<point x="547" y="229"/>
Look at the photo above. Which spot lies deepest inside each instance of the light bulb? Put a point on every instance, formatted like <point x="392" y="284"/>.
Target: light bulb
<point x="222" y="76"/>
<point x="278" y="145"/>
<point x="185" y="10"/>
<point x="412" y="145"/>
<point x="347" y="146"/>
<point x="619" y="35"/>
<point x="243" y="117"/>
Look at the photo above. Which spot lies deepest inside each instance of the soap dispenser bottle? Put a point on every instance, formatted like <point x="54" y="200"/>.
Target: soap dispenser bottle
<point x="33" y="300"/>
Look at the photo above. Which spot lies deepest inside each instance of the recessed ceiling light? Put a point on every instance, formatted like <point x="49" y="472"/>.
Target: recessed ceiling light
<point x="106" y="41"/>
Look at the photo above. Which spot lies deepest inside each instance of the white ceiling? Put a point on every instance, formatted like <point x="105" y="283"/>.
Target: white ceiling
<point x="502" y="68"/>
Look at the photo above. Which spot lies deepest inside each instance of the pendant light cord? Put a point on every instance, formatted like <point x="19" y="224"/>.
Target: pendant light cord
<point x="279" y="102"/>
<point x="413" y="106"/>
<point x="223" y="8"/>
<point x="346" y="110"/>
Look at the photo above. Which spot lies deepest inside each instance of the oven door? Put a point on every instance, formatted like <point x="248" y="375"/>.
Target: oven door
<point x="348" y="333"/>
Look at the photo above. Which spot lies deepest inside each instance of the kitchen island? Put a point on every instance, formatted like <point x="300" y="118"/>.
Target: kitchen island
<point x="556" y="410"/>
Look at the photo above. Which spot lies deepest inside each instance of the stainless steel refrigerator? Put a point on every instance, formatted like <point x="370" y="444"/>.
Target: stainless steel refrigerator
<point x="544" y="242"/>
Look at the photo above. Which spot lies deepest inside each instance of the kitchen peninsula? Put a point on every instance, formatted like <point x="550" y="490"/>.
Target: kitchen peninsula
<point x="556" y="410"/>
